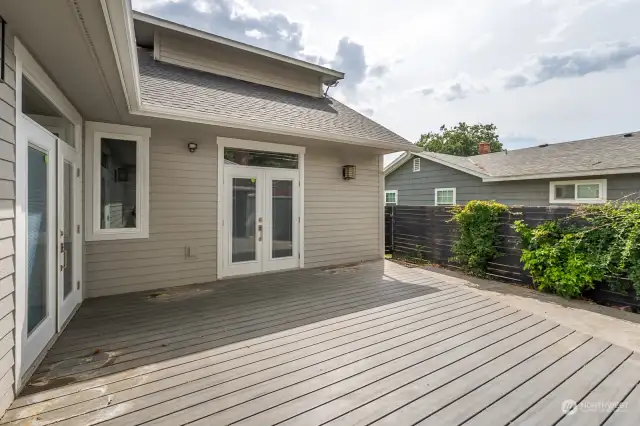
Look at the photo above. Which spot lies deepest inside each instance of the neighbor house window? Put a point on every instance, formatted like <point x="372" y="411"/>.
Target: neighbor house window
<point x="117" y="184"/>
<point x="416" y="164"/>
<point x="391" y="197"/>
<point x="445" y="196"/>
<point x="579" y="191"/>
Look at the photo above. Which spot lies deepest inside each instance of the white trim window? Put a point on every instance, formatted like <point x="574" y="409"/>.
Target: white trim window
<point x="391" y="197"/>
<point x="117" y="182"/>
<point x="592" y="191"/>
<point x="445" y="197"/>
<point x="416" y="164"/>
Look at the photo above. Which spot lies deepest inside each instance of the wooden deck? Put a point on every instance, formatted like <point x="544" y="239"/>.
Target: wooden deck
<point x="377" y="343"/>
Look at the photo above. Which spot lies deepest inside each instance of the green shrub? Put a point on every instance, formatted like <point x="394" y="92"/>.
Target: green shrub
<point x="595" y="243"/>
<point x="478" y="225"/>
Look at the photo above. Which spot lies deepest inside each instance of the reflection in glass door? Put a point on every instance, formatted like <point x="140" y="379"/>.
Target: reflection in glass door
<point x="40" y="321"/>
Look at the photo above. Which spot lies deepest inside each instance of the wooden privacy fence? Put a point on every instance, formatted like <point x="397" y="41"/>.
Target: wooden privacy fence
<point x="427" y="233"/>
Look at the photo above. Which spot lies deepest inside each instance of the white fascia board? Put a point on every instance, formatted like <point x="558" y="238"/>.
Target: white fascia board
<point x="604" y="172"/>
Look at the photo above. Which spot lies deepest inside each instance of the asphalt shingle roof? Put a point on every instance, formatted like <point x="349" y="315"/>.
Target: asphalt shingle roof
<point x="588" y="155"/>
<point x="167" y="85"/>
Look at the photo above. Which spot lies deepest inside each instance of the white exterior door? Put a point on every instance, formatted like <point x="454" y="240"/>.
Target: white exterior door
<point x="260" y="220"/>
<point x="69" y="239"/>
<point x="41" y="248"/>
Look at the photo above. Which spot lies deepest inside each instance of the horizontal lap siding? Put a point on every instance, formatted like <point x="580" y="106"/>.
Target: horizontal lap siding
<point x="7" y="230"/>
<point x="418" y="188"/>
<point x="342" y="218"/>
<point x="183" y="206"/>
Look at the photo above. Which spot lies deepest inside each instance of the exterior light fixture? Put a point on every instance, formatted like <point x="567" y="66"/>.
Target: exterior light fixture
<point x="348" y="172"/>
<point x="192" y="146"/>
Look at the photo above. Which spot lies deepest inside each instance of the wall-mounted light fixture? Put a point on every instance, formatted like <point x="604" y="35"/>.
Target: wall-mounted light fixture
<point x="192" y="146"/>
<point x="348" y="172"/>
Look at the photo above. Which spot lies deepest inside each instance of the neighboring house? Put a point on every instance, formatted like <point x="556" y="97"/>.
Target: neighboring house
<point x="585" y="171"/>
<point x="138" y="154"/>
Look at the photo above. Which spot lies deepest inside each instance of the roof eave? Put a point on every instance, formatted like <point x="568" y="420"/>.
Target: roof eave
<point x="561" y="175"/>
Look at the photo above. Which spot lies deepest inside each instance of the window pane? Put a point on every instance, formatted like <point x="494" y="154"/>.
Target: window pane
<point x="37" y="254"/>
<point x="242" y="157"/>
<point x="591" y="190"/>
<point x="565" y="192"/>
<point x="68" y="228"/>
<point x="390" y="197"/>
<point x="445" y="197"/>
<point x="118" y="184"/>
<point x="243" y="217"/>
<point x="282" y="218"/>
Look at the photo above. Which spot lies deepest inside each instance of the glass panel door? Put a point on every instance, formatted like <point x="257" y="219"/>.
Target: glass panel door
<point x="40" y="322"/>
<point x="243" y="220"/>
<point x="68" y="237"/>
<point x="281" y="216"/>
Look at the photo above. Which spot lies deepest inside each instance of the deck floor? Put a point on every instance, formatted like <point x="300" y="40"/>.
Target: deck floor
<point x="373" y="344"/>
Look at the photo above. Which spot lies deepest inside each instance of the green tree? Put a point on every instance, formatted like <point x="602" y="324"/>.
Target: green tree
<point x="461" y="140"/>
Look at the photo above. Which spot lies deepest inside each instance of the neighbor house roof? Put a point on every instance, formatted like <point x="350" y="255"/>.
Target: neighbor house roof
<point x="615" y="154"/>
<point x="170" y="86"/>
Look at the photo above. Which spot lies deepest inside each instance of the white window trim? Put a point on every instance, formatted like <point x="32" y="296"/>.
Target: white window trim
<point x="600" y="200"/>
<point x="435" y="194"/>
<point x="392" y="191"/>
<point x="416" y="164"/>
<point x="94" y="134"/>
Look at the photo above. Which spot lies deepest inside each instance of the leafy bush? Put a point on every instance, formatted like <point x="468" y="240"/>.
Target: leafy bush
<point x="595" y="243"/>
<point x="478" y="224"/>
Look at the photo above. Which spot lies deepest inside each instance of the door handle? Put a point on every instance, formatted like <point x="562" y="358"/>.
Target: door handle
<point x="260" y="230"/>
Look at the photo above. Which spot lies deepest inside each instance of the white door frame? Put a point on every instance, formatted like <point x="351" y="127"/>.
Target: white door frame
<point x="28" y="67"/>
<point x="40" y="139"/>
<point x="259" y="146"/>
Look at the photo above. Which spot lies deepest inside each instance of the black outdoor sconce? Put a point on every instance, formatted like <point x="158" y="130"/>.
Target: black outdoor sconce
<point x="192" y="146"/>
<point x="348" y="172"/>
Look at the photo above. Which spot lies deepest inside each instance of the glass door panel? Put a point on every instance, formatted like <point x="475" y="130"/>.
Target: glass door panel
<point x="281" y="215"/>
<point x="69" y="255"/>
<point x="243" y="220"/>
<point x="37" y="238"/>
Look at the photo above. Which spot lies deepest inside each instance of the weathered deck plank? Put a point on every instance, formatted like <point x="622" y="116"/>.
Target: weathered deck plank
<point x="377" y="343"/>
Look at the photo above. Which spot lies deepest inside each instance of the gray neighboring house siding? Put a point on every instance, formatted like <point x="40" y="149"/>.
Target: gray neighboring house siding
<point x="7" y="227"/>
<point x="418" y="188"/>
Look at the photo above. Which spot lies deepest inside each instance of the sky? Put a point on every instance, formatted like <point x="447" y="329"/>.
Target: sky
<point x="542" y="71"/>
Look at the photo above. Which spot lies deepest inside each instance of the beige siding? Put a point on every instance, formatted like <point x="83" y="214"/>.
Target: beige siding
<point x="7" y="230"/>
<point x="341" y="217"/>
<point x="183" y="203"/>
<point x="227" y="61"/>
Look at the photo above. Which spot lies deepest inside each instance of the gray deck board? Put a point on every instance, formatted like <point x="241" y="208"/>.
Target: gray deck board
<point x="375" y="343"/>
<point x="629" y="413"/>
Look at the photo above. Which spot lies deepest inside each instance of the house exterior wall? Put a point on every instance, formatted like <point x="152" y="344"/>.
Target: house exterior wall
<point x="223" y="60"/>
<point x="418" y="188"/>
<point x="341" y="220"/>
<point x="7" y="229"/>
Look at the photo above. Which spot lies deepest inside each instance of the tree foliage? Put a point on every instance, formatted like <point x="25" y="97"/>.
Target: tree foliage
<point x="479" y="226"/>
<point x="596" y="243"/>
<point x="461" y="140"/>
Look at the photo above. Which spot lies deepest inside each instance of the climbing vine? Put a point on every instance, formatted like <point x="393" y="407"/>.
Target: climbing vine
<point x="479" y="236"/>
<point x="595" y="243"/>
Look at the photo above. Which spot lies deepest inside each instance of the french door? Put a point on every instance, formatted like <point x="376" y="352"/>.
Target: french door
<point x="260" y="220"/>
<point x="69" y="246"/>
<point x="53" y="243"/>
